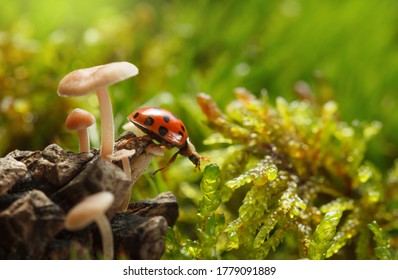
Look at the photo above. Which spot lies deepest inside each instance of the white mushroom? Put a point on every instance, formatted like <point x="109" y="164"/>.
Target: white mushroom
<point x="92" y="209"/>
<point x="155" y="149"/>
<point x="98" y="78"/>
<point x="124" y="155"/>
<point x="80" y="120"/>
<point x="133" y="128"/>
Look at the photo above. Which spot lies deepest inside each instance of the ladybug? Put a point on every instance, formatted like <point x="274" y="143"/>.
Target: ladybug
<point x="166" y="128"/>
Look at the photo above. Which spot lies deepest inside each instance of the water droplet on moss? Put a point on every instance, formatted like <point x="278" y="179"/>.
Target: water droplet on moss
<point x="233" y="241"/>
<point x="272" y="172"/>
<point x="260" y="180"/>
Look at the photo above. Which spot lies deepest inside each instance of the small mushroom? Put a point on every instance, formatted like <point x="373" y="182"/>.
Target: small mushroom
<point x="131" y="127"/>
<point x="92" y="209"/>
<point x="155" y="149"/>
<point x="98" y="78"/>
<point x="80" y="120"/>
<point x="124" y="155"/>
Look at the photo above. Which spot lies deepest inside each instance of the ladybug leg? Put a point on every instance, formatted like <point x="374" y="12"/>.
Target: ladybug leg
<point x="171" y="160"/>
<point x="145" y="136"/>
<point x="131" y="141"/>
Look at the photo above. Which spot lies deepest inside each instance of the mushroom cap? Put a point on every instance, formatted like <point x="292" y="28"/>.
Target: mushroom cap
<point x="79" y="119"/>
<point x="123" y="153"/>
<point x="155" y="150"/>
<point x="83" y="81"/>
<point x="85" y="212"/>
<point x="129" y="126"/>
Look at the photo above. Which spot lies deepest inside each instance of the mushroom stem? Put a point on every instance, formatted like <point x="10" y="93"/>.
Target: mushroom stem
<point x="107" y="127"/>
<point x="106" y="236"/>
<point x="84" y="140"/>
<point x="127" y="196"/>
<point x="140" y="165"/>
<point x="80" y="120"/>
<point x="126" y="167"/>
<point x="124" y="155"/>
<point x="126" y="200"/>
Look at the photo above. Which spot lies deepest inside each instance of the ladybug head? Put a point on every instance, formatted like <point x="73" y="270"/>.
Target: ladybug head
<point x="189" y="151"/>
<point x="195" y="158"/>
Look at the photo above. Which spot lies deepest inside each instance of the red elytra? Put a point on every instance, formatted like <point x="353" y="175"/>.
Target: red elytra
<point x="166" y="128"/>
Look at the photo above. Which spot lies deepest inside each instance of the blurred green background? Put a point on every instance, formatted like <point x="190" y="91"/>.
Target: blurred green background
<point x="344" y="50"/>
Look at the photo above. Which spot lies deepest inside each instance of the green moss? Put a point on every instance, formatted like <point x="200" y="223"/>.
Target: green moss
<point x="382" y="249"/>
<point x="179" y="51"/>
<point x="293" y="182"/>
<point x="324" y="234"/>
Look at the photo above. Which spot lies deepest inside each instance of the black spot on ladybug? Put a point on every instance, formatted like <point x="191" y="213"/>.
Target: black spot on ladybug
<point x="166" y="118"/>
<point x="136" y="115"/>
<point x="183" y="128"/>
<point x="148" y="121"/>
<point x="163" y="130"/>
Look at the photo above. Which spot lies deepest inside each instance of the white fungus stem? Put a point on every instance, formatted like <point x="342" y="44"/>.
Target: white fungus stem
<point x="127" y="195"/>
<point x="126" y="167"/>
<point x="124" y="155"/>
<point x="107" y="127"/>
<point x="140" y="165"/>
<point x="106" y="235"/>
<point x="84" y="141"/>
